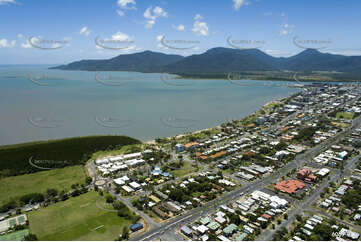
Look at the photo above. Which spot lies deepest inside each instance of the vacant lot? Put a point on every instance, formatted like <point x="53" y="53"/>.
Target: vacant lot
<point x="78" y="218"/>
<point x="186" y="169"/>
<point x="60" y="179"/>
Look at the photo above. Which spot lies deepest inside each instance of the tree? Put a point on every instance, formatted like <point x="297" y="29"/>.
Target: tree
<point x="118" y="205"/>
<point x="75" y="193"/>
<point x="123" y="212"/>
<point x="31" y="237"/>
<point x="51" y="192"/>
<point x="351" y="199"/>
<point x="117" y="190"/>
<point x="323" y="232"/>
<point x="88" y="180"/>
<point x="109" y="199"/>
<point x="125" y="233"/>
<point x="6" y="207"/>
<point x="234" y="218"/>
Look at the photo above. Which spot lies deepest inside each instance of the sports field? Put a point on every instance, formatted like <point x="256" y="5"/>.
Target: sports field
<point x="345" y="115"/>
<point x="16" y="186"/>
<point x="15" y="236"/>
<point x="79" y="218"/>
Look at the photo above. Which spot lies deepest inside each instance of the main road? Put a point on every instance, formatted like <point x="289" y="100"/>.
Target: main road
<point x="212" y="206"/>
<point x="267" y="235"/>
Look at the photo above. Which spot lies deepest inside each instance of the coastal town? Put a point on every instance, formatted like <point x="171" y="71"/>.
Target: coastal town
<point x="289" y="171"/>
<point x="159" y="120"/>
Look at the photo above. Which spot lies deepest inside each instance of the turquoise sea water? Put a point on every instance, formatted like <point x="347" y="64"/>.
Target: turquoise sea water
<point x="40" y="104"/>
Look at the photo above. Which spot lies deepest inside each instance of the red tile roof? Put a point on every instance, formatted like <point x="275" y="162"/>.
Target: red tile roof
<point x="290" y="186"/>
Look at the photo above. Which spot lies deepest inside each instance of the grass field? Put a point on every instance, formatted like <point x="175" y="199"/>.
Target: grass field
<point x="187" y="169"/>
<point x="16" y="186"/>
<point x="123" y="150"/>
<point x="345" y="115"/>
<point x="78" y="218"/>
<point x="15" y="236"/>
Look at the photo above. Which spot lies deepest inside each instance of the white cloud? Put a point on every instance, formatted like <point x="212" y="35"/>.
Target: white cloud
<point x="26" y="45"/>
<point x="160" y="45"/>
<point x="160" y="37"/>
<point x="148" y="14"/>
<point x="121" y="36"/>
<point x="200" y="28"/>
<point x="85" y="31"/>
<point x="149" y="23"/>
<point x="4" y="43"/>
<point x="152" y="14"/>
<point x="20" y="36"/>
<point x="120" y="12"/>
<point x="287" y="29"/>
<point x="159" y="12"/>
<point x="3" y="2"/>
<point x="198" y="17"/>
<point x="180" y="27"/>
<point x="124" y="4"/>
<point x="237" y="4"/>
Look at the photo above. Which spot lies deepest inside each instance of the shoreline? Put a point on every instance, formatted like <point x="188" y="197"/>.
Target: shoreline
<point x="150" y="142"/>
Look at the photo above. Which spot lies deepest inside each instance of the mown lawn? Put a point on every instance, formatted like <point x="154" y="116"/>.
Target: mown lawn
<point x="345" y="115"/>
<point x="77" y="218"/>
<point x="60" y="179"/>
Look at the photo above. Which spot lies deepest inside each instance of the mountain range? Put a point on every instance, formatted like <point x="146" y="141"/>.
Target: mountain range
<point x="223" y="60"/>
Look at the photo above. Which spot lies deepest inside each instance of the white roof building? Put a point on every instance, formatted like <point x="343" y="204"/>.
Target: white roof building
<point x="135" y="185"/>
<point x="202" y="229"/>
<point x="220" y="220"/>
<point x="132" y="156"/>
<point x="323" y="172"/>
<point x="127" y="189"/>
<point x="119" y="181"/>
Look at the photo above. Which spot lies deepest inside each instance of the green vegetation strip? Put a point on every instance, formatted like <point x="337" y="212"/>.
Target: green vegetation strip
<point x="55" y="153"/>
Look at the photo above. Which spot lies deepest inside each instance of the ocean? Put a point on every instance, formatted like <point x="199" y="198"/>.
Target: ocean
<point x="41" y="104"/>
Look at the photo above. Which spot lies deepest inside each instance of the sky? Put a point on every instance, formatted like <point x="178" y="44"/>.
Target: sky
<point x="62" y="31"/>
